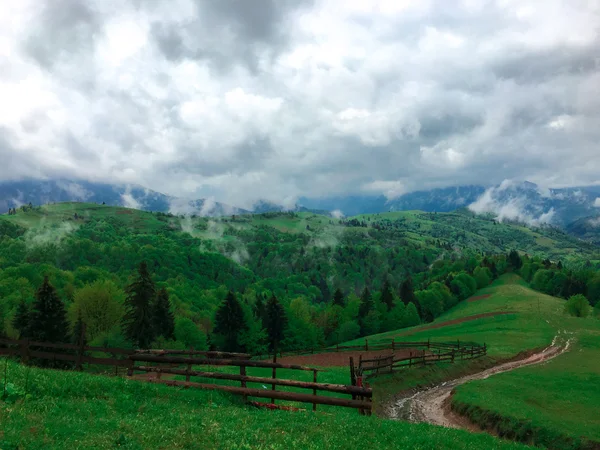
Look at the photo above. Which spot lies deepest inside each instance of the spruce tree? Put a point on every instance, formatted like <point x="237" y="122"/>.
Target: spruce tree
<point x="48" y="318"/>
<point x="21" y="320"/>
<point x="407" y="292"/>
<point x="366" y="303"/>
<point x="338" y="298"/>
<point x="275" y="322"/>
<point x="229" y="322"/>
<point x="259" y="308"/>
<point x="164" y="319"/>
<point x="387" y="298"/>
<point x="137" y="322"/>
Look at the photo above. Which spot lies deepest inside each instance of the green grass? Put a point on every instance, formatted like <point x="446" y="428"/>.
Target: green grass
<point x="533" y="321"/>
<point x="82" y="411"/>
<point x="554" y="403"/>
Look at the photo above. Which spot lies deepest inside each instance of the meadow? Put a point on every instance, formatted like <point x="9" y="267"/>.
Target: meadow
<point x="82" y="411"/>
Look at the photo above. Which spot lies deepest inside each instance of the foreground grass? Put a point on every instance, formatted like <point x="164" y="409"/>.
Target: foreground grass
<point x="554" y="404"/>
<point x="78" y="410"/>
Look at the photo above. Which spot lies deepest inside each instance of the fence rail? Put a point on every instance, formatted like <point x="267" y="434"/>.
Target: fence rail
<point x="446" y="352"/>
<point x="360" y="396"/>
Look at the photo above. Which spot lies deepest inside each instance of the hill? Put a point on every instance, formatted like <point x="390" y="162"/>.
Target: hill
<point x="528" y="403"/>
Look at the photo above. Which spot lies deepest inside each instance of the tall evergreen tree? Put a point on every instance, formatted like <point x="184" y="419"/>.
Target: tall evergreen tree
<point x="137" y="322"/>
<point x="21" y="320"/>
<point x="338" y="298"/>
<point x="387" y="298"/>
<point x="366" y="303"/>
<point x="48" y="318"/>
<point x="324" y="288"/>
<point x="275" y="322"/>
<point x="407" y="291"/>
<point x="164" y="319"/>
<point x="229" y="322"/>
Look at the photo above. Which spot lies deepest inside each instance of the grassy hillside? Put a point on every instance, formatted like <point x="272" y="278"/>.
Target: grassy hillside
<point x="556" y="401"/>
<point x="507" y="316"/>
<point x="81" y="411"/>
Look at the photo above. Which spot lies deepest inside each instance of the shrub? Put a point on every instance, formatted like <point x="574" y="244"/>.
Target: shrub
<point x="578" y="306"/>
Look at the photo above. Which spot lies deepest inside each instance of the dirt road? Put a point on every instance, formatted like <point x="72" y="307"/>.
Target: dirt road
<point x="431" y="405"/>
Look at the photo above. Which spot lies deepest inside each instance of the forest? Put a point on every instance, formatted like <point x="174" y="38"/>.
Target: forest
<point x="276" y="281"/>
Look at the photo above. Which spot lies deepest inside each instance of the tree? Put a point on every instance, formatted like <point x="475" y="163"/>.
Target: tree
<point x="21" y="319"/>
<point x="371" y="324"/>
<point x="407" y="292"/>
<point x="189" y="334"/>
<point x="387" y="297"/>
<point x="348" y="331"/>
<point x="275" y="322"/>
<point x="230" y="323"/>
<point x="411" y="316"/>
<point x="259" y="308"/>
<point x="79" y="331"/>
<point x="593" y="290"/>
<point x="100" y="306"/>
<point x="483" y="277"/>
<point x="578" y="306"/>
<point x="137" y="322"/>
<point x="48" y="318"/>
<point x="514" y="260"/>
<point x="164" y="319"/>
<point x="338" y="298"/>
<point x="366" y="303"/>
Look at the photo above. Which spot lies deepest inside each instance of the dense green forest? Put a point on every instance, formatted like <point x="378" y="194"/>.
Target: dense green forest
<point x="255" y="282"/>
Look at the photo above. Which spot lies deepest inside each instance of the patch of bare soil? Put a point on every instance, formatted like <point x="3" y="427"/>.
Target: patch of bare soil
<point x="433" y="405"/>
<point x="340" y="359"/>
<point x="479" y="297"/>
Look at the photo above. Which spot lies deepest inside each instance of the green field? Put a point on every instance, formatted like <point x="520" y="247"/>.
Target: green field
<point x="552" y="403"/>
<point x="81" y="411"/>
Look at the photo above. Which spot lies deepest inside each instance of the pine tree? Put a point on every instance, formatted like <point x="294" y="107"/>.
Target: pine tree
<point x="407" y="292"/>
<point x="48" y="318"/>
<point x="366" y="303"/>
<point x="324" y="288"/>
<point x="229" y="322"/>
<point x="275" y="322"/>
<point x="387" y="298"/>
<point x="164" y="319"/>
<point x="338" y="298"/>
<point x="137" y="322"/>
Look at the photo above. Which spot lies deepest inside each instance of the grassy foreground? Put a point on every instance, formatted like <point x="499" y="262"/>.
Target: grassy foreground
<point x="78" y="410"/>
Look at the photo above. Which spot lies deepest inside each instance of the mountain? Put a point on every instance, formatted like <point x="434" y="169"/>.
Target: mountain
<point x="586" y="228"/>
<point x="38" y="192"/>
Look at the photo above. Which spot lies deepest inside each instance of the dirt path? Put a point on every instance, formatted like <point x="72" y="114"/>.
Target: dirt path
<point x="432" y="405"/>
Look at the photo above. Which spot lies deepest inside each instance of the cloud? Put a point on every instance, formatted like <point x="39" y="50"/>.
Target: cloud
<point x="509" y="202"/>
<point x="277" y="99"/>
<point x="128" y="200"/>
<point x="337" y="214"/>
<point x="75" y="190"/>
<point x="597" y="203"/>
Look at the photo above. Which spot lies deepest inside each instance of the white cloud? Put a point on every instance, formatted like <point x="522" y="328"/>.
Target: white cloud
<point x="597" y="202"/>
<point x="337" y="214"/>
<point x="202" y="99"/>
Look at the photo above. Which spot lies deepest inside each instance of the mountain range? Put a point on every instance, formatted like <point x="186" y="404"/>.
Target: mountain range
<point x="510" y="201"/>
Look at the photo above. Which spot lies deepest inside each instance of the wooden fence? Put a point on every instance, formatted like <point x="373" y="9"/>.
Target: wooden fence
<point x="435" y="353"/>
<point x="183" y="366"/>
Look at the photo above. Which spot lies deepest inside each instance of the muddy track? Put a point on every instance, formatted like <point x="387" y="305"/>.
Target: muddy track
<point x="432" y="405"/>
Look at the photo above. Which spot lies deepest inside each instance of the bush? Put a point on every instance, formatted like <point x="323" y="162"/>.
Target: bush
<point x="578" y="306"/>
<point x="597" y="311"/>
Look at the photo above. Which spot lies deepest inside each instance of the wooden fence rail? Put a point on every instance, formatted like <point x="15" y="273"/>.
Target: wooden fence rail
<point x="451" y="352"/>
<point x="360" y="396"/>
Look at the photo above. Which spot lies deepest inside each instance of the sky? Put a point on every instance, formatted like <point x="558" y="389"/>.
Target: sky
<point x="274" y="99"/>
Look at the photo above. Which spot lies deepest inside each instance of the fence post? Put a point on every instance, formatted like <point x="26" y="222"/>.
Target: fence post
<point x="243" y="374"/>
<point x="428" y="343"/>
<point x="25" y="351"/>
<point x="360" y="362"/>
<point x="366" y="345"/>
<point x="393" y="346"/>
<point x="337" y="348"/>
<point x="78" y="366"/>
<point x="315" y="388"/>
<point x="472" y="352"/>
<point x="423" y="358"/>
<point x="452" y="355"/>
<point x="274" y="373"/>
<point x="484" y="349"/>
